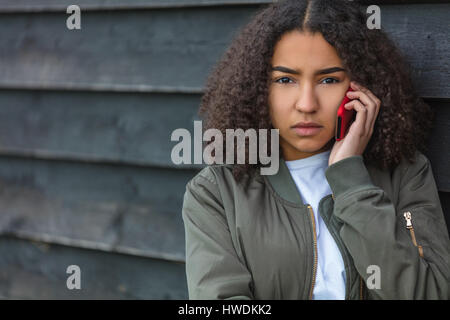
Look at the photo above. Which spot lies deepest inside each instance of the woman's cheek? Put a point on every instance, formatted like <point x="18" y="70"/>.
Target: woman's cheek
<point x="330" y="129"/>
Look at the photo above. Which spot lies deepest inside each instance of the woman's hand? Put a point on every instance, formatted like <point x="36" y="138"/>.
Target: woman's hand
<point x="366" y="105"/>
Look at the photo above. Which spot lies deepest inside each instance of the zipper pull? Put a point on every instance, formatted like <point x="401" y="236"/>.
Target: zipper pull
<point x="407" y="216"/>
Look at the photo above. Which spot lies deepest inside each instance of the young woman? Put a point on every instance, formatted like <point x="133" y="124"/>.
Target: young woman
<point x="358" y="218"/>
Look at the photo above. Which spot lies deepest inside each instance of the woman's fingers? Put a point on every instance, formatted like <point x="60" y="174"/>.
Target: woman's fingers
<point x="362" y="96"/>
<point x="370" y="101"/>
<point x="371" y="95"/>
<point x="377" y="105"/>
<point x="377" y="110"/>
<point x="359" y="124"/>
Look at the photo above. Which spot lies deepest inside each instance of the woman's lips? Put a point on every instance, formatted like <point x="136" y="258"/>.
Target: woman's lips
<point x="307" y="131"/>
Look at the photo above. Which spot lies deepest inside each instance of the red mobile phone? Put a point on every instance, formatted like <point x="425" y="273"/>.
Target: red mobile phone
<point x="344" y="118"/>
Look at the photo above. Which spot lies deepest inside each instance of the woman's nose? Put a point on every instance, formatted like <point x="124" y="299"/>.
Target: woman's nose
<point x="306" y="100"/>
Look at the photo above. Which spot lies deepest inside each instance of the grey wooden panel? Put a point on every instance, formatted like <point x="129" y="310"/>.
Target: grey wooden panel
<point x="61" y="5"/>
<point x="34" y="270"/>
<point x="174" y="49"/>
<point x="96" y="127"/>
<point x="423" y="35"/>
<point x="104" y="207"/>
<point x="155" y="50"/>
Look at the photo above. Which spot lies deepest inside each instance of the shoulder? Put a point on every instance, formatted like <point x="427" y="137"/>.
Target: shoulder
<point x="411" y="175"/>
<point x="405" y="167"/>
<point x="209" y="182"/>
<point x="212" y="174"/>
<point x="415" y="171"/>
<point x="203" y="198"/>
<point x="408" y="168"/>
<point x="218" y="181"/>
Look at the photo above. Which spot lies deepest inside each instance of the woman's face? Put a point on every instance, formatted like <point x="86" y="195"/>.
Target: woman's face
<point x="308" y="83"/>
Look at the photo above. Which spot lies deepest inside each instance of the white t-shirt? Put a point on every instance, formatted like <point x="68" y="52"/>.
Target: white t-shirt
<point x="309" y="176"/>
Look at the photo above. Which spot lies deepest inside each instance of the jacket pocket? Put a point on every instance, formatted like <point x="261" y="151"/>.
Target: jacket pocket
<point x="409" y="226"/>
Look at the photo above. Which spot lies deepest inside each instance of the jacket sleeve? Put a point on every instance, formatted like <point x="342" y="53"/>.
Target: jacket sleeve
<point x="412" y="265"/>
<point x="213" y="269"/>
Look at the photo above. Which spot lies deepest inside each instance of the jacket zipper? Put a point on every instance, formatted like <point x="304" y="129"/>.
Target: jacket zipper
<point x="341" y="249"/>
<point x="408" y="218"/>
<point x="313" y="221"/>
<point x="316" y="254"/>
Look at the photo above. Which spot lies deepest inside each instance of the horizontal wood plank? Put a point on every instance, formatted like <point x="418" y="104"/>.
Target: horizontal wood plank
<point x="37" y="270"/>
<point x="61" y="5"/>
<point x="103" y="207"/>
<point x="137" y="51"/>
<point x="133" y="129"/>
<point x="89" y="5"/>
<point x="163" y="50"/>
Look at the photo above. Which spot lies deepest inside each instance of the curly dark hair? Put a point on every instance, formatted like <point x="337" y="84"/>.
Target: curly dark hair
<point x="236" y="92"/>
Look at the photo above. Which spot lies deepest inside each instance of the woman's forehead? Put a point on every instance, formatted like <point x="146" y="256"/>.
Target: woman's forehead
<point x="304" y="51"/>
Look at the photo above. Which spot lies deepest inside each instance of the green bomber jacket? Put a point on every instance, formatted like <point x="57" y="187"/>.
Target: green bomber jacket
<point x="260" y="243"/>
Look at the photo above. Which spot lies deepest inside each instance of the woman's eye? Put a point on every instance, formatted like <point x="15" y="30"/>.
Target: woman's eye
<point x="333" y="80"/>
<point x="283" y="80"/>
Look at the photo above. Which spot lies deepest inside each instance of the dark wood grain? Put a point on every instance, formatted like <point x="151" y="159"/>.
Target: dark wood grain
<point x="104" y="207"/>
<point x="37" y="270"/>
<point x="173" y="50"/>
<point x="128" y="128"/>
<point x="61" y="5"/>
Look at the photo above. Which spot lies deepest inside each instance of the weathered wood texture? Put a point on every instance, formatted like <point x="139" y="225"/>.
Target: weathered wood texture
<point x="37" y="270"/>
<point x="114" y="208"/>
<point x="122" y="128"/>
<point x="172" y="50"/>
<point x="61" y="5"/>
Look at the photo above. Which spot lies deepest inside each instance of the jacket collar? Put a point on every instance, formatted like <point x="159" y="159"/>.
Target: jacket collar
<point x="284" y="185"/>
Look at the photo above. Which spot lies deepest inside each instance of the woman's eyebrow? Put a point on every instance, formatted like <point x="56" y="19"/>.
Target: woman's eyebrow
<point x="323" y="71"/>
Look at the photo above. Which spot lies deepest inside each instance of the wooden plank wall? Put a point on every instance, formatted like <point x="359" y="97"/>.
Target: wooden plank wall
<point x="85" y="124"/>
